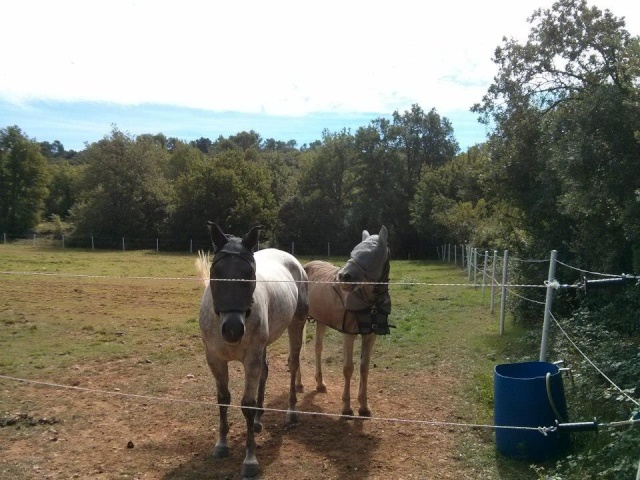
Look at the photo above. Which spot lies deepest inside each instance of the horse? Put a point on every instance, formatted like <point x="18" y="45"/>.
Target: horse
<point x="248" y="303"/>
<point x="339" y="300"/>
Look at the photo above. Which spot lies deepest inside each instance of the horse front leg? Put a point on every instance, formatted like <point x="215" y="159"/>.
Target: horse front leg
<point x="220" y="370"/>
<point x="366" y="350"/>
<point x="296" y="338"/>
<point x="321" y="328"/>
<point x="347" y="370"/>
<point x="253" y="367"/>
<point x="264" y="373"/>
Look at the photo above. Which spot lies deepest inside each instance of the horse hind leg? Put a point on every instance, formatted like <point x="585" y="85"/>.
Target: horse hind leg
<point x="296" y="338"/>
<point x="368" y="342"/>
<point x="321" y="329"/>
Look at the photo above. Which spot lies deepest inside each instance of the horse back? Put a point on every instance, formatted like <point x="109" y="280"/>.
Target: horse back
<point x="283" y="277"/>
<point x="326" y="302"/>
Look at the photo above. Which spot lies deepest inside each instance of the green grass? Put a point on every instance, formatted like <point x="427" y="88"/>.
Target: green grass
<point x="49" y="323"/>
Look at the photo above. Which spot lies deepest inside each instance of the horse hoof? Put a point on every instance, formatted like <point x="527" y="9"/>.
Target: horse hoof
<point x="221" y="451"/>
<point x="292" y="417"/>
<point x="250" y="469"/>
<point x="364" y="412"/>
<point x="257" y="427"/>
<point x="321" y="388"/>
<point x="348" y="412"/>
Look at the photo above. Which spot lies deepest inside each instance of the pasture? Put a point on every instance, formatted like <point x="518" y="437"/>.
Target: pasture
<point x="126" y="392"/>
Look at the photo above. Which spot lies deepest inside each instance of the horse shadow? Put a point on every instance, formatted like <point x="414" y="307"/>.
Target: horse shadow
<point x="344" y="445"/>
<point x="345" y="448"/>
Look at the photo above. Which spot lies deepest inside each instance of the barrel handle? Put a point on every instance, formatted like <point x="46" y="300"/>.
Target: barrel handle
<point x="550" y="397"/>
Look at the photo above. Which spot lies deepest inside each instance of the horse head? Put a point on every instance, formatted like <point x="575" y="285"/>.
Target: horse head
<point x="233" y="279"/>
<point x="368" y="260"/>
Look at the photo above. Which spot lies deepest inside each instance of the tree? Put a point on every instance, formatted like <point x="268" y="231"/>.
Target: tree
<point x="227" y="189"/>
<point x="378" y="197"/>
<point x="63" y="188"/>
<point x="23" y="180"/>
<point x="124" y="190"/>
<point x="424" y="139"/>
<point x="564" y="107"/>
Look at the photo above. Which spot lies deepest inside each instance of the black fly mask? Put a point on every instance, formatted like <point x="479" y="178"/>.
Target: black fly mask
<point x="233" y="279"/>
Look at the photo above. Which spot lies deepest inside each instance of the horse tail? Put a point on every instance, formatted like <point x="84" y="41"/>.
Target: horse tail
<point x="203" y="266"/>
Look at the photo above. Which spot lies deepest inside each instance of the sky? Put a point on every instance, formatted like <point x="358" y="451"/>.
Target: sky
<point x="72" y="70"/>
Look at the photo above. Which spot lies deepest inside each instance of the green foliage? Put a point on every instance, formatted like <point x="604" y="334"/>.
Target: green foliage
<point x="23" y="182"/>
<point x="63" y="187"/>
<point x="227" y="189"/>
<point x="124" y="189"/>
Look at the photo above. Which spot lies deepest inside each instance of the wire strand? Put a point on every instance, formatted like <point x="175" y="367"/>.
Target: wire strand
<point x="593" y="364"/>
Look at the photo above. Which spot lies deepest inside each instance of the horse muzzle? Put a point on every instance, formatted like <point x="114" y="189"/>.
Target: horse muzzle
<point x="232" y="327"/>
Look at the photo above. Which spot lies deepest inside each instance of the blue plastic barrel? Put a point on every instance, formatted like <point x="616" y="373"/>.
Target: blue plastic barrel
<point x="522" y="399"/>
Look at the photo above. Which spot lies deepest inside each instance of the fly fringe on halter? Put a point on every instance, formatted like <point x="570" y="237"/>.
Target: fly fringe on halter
<point x="203" y="266"/>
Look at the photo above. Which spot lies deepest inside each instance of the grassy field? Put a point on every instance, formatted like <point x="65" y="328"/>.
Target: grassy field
<point x="76" y="317"/>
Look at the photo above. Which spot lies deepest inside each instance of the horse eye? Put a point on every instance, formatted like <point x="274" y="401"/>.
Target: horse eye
<point x="247" y="313"/>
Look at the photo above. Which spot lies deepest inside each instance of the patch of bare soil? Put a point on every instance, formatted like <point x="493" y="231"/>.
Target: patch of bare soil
<point x="55" y="433"/>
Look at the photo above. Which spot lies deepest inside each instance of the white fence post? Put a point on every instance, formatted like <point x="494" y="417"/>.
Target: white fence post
<point x="157" y="244"/>
<point x="34" y="239"/>
<point x="484" y="271"/>
<point x="292" y="249"/>
<point x="547" y="306"/>
<point x="503" y="297"/>
<point x="328" y="249"/>
<point x="123" y="244"/>
<point x="63" y="240"/>
<point x="475" y="267"/>
<point x="493" y="278"/>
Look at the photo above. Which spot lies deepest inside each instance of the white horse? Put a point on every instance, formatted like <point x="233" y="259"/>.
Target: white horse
<point x="359" y="305"/>
<point x="248" y="303"/>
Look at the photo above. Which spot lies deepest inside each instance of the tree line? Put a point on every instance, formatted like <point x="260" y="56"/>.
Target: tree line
<point x="150" y="186"/>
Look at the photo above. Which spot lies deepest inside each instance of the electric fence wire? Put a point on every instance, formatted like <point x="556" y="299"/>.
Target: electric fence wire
<point x="636" y="402"/>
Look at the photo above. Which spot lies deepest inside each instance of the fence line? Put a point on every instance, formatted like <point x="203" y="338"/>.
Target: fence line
<point x="544" y="430"/>
<point x="472" y="257"/>
<point x="401" y="284"/>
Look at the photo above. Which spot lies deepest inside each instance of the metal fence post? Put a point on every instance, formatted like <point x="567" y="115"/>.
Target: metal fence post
<point x="484" y="271"/>
<point x="547" y="306"/>
<point x="503" y="297"/>
<point x="493" y="278"/>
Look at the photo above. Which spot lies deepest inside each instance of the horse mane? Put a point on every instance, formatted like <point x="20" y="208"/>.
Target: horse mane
<point x="203" y="267"/>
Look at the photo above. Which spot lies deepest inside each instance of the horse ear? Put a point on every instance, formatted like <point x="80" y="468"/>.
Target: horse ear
<point x="365" y="235"/>
<point x="218" y="238"/>
<point x="383" y="235"/>
<point x="251" y="237"/>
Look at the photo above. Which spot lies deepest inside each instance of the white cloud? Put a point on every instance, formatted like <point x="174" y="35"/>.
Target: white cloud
<point x="276" y="57"/>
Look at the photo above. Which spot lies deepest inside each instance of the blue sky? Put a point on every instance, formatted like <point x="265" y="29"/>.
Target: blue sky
<point x="286" y="69"/>
<point x="74" y="123"/>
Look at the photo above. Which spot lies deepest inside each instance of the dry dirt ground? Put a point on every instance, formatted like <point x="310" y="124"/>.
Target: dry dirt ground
<point x="55" y="433"/>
